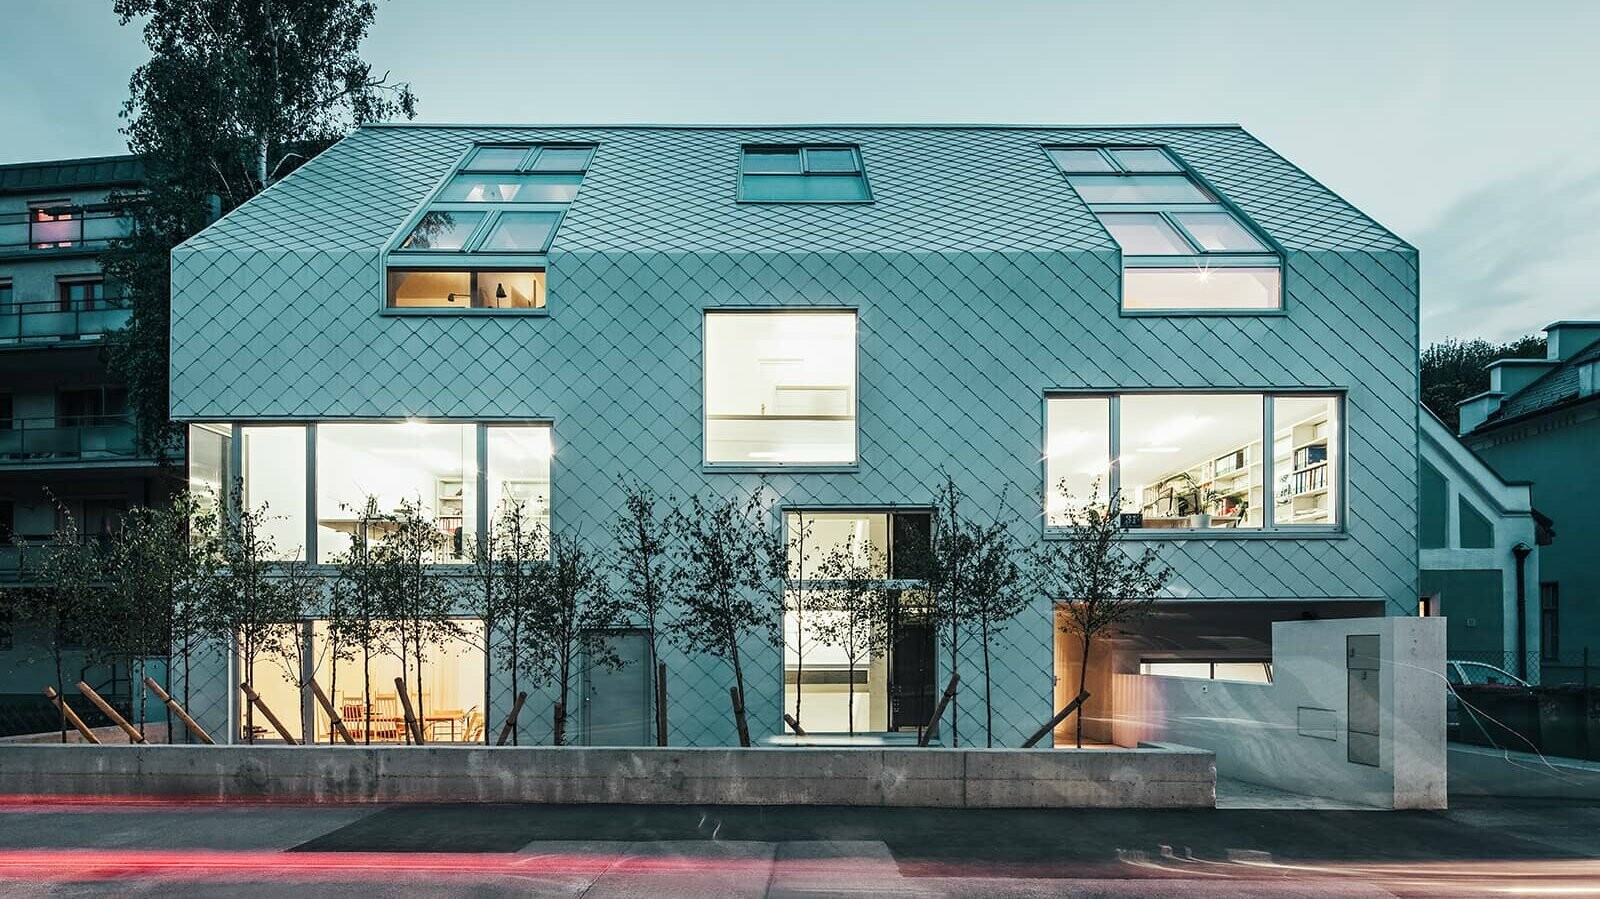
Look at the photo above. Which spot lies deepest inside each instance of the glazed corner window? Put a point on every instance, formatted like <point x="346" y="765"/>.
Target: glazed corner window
<point x="780" y="388"/>
<point x="465" y="289"/>
<point x="1183" y="249"/>
<point x="802" y="174"/>
<point x="1195" y="461"/>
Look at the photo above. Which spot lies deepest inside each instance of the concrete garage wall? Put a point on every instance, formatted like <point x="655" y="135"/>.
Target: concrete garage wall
<point x="1150" y="777"/>
<point x="1298" y="733"/>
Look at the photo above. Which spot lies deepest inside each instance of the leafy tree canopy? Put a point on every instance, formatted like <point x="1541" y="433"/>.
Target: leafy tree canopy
<point x="1453" y="370"/>
<point x="236" y="94"/>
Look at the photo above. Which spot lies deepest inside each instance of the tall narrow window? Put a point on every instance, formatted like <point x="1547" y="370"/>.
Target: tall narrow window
<point x="1550" y="621"/>
<point x="1305" y="445"/>
<point x="780" y="387"/>
<point x="1182" y="248"/>
<point x="273" y="459"/>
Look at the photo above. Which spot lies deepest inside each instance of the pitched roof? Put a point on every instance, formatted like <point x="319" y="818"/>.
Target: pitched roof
<point x="1555" y="387"/>
<point x="673" y="189"/>
<point x="70" y="174"/>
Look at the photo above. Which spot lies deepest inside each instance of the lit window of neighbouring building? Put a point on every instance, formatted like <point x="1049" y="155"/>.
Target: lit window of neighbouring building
<point x="1183" y="249"/>
<point x="780" y="387"/>
<point x="1196" y="460"/>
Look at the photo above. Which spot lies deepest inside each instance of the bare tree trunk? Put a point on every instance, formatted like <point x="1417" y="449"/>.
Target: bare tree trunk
<point x="250" y="707"/>
<point x="850" y="703"/>
<point x="561" y="703"/>
<point x="738" y="680"/>
<point x="988" y="693"/>
<point x="1083" y="675"/>
<point x="366" y="690"/>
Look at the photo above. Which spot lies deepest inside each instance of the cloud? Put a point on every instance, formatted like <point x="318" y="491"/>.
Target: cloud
<point x="1512" y="256"/>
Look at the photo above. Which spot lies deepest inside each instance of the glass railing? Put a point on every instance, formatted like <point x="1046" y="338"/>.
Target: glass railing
<point x="56" y="321"/>
<point x="85" y="438"/>
<point x="63" y="228"/>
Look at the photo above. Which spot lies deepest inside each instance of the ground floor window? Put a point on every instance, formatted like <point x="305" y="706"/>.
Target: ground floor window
<point x="1249" y="671"/>
<point x="858" y="649"/>
<point x="362" y="688"/>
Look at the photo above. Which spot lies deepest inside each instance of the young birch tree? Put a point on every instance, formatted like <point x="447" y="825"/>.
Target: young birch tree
<point x="569" y="618"/>
<point x="1095" y="579"/>
<point x="645" y="565"/>
<point x="355" y="608"/>
<point x="725" y="592"/>
<point x="62" y="581"/>
<point x="852" y="608"/>
<point x="994" y="599"/>
<point x="416" y="605"/>
<point x="250" y="608"/>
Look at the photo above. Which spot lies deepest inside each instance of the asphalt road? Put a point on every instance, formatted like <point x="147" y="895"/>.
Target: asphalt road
<point x="65" y="848"/>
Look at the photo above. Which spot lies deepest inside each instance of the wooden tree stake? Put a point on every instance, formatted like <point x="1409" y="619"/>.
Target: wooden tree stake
<point x="1060" y="717"/>
<point x="661" y="703"/>
<point x="511" y="719"/>
<point x="333" y="714"/>
<point x="105" y="708"/>
<point x="413" y="726"/>
<point x="177" y="709"/>
<point x="938" y="710"/>
<point x="255" y="697"/>
<point x="61" y="703"/>
<point x="793" y="725"/>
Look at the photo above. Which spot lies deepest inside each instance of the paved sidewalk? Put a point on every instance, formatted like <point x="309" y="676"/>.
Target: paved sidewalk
<point x="203" y="849"/>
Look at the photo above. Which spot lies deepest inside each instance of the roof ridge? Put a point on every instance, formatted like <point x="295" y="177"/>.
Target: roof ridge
<point x="811" y="126"/>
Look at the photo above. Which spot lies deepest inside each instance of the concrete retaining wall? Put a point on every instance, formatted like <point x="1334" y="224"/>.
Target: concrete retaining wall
<point x="1146" y="777"/>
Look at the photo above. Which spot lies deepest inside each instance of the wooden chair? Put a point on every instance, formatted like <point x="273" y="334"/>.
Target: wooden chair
<point x="386" y="720"/>
<point x="474" y="729"/>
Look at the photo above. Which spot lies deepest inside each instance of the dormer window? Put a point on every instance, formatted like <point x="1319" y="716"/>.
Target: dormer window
<point x="802" y="173"/>
<point x="498" y="214"/>
<point x="1183" y="248"/>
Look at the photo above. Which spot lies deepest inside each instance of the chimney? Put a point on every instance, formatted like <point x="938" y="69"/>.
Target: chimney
<point x="1507" y="376"/>
<point x="1476" y="410"/>
<point x="1566" y="339"/>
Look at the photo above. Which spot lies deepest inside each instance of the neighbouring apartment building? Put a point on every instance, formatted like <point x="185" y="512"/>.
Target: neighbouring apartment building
<point x="466" y="317"/>
<point x="68" y="445"/>
<point x="1539" y="422"/>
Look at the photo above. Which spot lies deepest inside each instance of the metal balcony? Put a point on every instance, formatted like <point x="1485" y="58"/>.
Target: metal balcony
<point x="27" y="324"/>
<point x="75" y="440"/>
<point x="63" y="229"/>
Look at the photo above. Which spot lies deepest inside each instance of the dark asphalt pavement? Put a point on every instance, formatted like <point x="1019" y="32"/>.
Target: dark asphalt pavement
<point x="50" y="848"/>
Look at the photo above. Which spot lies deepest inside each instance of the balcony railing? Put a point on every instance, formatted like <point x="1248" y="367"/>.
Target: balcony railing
<point x="63" y="228"/>
<point x="80" y="438"/>
<point x="36" y="322"/>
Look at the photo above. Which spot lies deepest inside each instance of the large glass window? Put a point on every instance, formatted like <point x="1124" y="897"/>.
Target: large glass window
<point x="465" y="289"/>
<point x="1182" y="248"/>
<point x="1192" y="460"/>
<point x="432" y="466"/>
<point x="210" y="452"/>
<point x="1195" y="460"/>
<point x="780" y="387"/>
<point x="802" y="174"/>
<point x="274" y="464"/>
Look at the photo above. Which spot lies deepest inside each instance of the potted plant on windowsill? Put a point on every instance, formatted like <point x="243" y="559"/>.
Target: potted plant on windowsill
<point x="1194" y="500"/>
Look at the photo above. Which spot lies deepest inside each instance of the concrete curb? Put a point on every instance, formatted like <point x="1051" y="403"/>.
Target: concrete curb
<point x="1149" y="777"/>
